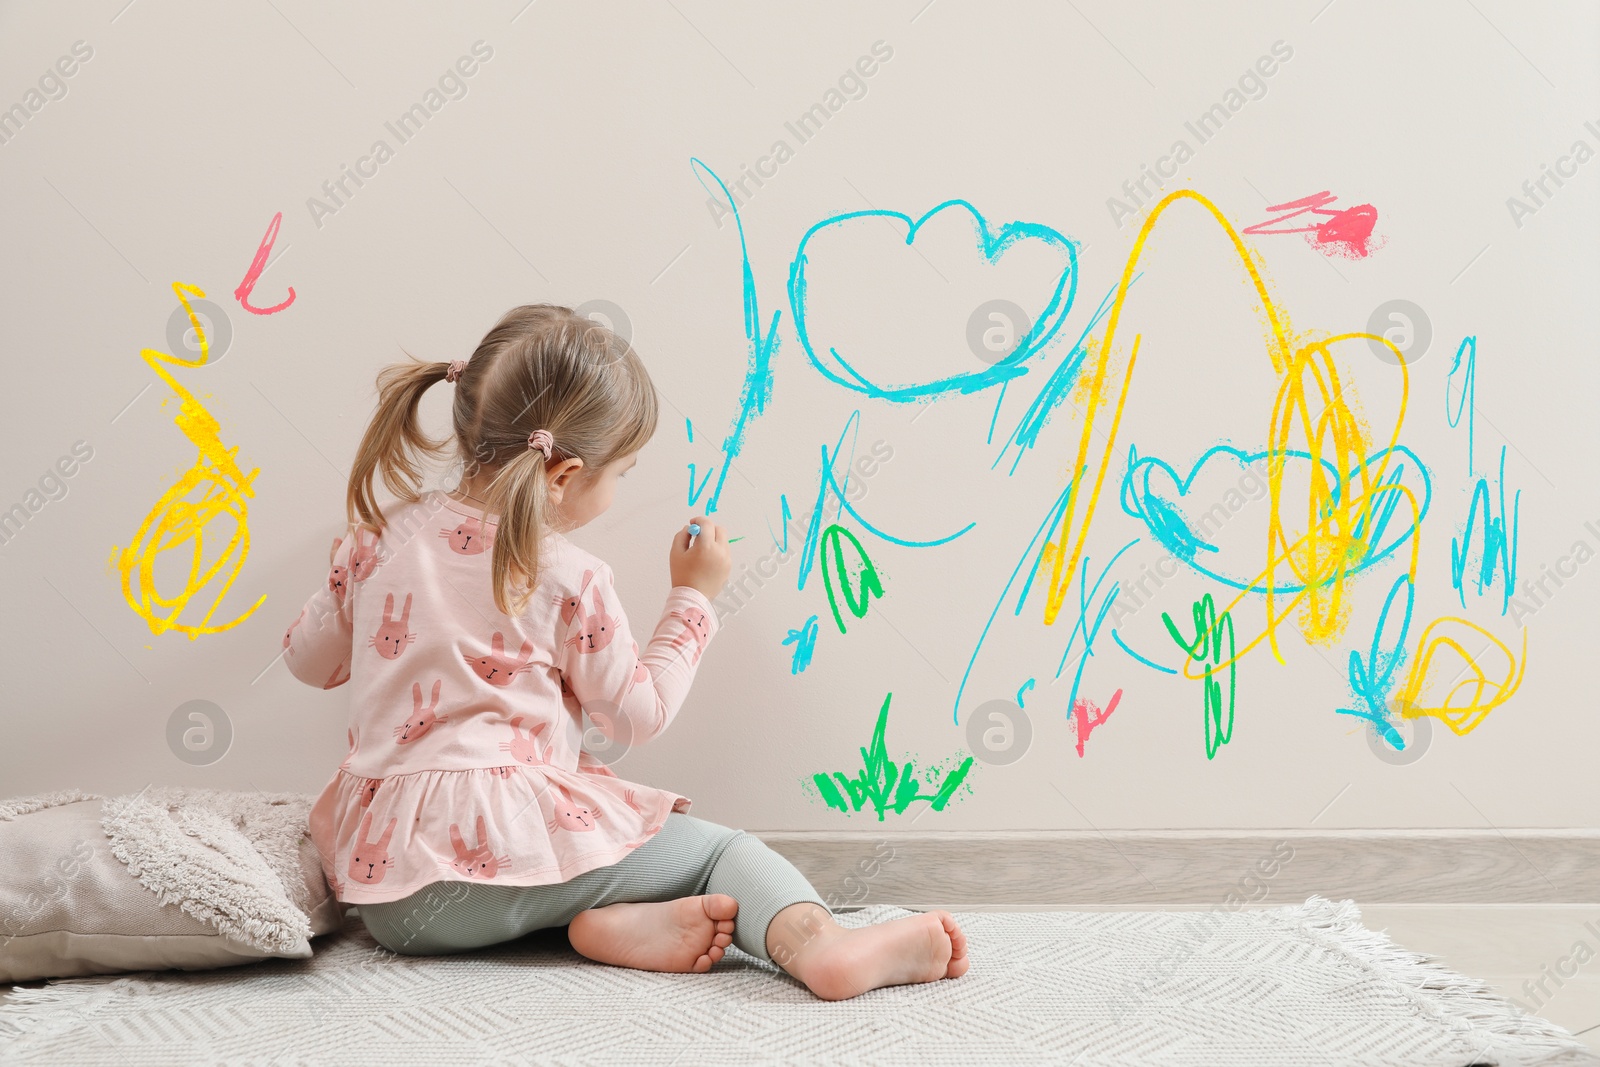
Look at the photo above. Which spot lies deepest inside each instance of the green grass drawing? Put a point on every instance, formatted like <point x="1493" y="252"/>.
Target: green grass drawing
<point x="887" y="785"/>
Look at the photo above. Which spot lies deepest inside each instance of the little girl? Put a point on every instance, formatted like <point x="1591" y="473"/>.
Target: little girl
<point x="475" y="637"/>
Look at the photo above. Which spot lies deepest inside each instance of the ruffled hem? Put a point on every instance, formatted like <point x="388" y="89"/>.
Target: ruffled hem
<point x="383" y="839"/>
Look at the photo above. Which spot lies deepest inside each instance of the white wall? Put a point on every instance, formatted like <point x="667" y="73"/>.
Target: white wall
<point x="564" y="174"/>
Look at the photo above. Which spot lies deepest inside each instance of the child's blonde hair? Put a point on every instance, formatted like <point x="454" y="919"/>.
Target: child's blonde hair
<point x="542" y="366"/>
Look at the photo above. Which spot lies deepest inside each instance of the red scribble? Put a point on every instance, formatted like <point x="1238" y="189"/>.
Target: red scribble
<point x="257" y="265"/>
<point x="1085" y="717"/>
<point x="1345" y="232"/>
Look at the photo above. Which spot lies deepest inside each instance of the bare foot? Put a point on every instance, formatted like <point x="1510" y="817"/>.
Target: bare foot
<point x="836" y="963"/>
<point x="680" y="936"/>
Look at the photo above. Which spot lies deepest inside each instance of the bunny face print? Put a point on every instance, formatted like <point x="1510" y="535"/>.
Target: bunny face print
<point x="370" y="860"/>
<point x="572" y="606"/>
<point x="479" y="864"/>
<point x="392" y="637"/>
<point x="338" y="580"/>
<point x="696" y="631"/>
<point x="497" y="668"/>
<point x="469" y="537"/>
<point x="364" y="558"/>
<point x="595" y="629"/>
<point x="525" y="749"/>
<point x="422" y="719"/>
<point x="569" y="814"/>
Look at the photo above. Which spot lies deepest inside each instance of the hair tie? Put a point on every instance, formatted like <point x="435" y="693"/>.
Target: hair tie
<point x="541" y="440"/>
<point x="456" y="367"/>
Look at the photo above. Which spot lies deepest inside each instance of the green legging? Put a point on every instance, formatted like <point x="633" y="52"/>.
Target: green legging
<point x="686" y="858"/>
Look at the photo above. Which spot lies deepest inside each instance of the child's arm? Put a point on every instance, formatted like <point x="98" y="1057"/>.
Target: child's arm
<point x="317" y="644"/>
<point x="629" y="696"/>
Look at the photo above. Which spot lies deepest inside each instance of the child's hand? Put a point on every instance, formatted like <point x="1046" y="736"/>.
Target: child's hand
<point x="705" y="566"/>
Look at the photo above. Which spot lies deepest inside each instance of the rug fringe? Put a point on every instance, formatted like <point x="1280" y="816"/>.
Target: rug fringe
<point x="29" y="1012"/>
<point x="1468" y="1003"/>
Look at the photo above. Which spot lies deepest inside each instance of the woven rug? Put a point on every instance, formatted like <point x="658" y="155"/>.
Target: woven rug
<point x="1276" y="987"/>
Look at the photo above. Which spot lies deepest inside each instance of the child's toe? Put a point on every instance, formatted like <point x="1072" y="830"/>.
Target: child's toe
<point x="958" y="949"/>
<point x="720" y="907"/>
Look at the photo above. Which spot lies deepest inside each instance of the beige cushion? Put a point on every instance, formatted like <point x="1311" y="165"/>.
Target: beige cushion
<point x="167" y="878"/>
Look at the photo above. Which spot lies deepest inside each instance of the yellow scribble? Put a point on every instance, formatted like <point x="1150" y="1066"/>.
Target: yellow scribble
<point x="1485" y="693"/>
<point x="1311" y="411"/>
<point x="177" y="521"/>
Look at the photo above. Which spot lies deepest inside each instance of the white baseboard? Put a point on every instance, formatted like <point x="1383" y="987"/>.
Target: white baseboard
<point x="1200" y="868"/>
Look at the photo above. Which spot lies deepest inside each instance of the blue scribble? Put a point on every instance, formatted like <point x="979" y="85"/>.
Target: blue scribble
<point x="1023" y="688"/>
<point x="992" y="245"/>
<point x="1029" y="555"/>
<point x="695" y="491"/>
<point x="1466" y="392"/>
<point x="758" y="376"/>
<point x="1057" y="387"/>
<point x="1496" y="548"/>
<point x="1372" y="679"/>
<point x="783" y="504"/>
<point x="1090" y="631"/>
<point x="1167" y="524"/>
<point x="804" y="641"/>
<point x="1117" y="637"/>
<point x="998" y="400"/>
<point x="828" y="483"/>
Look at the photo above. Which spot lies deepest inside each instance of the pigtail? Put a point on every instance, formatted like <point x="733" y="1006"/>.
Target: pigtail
<point x="394" y="440"/>
<point x="521" y="492"/>
<point x="542" y="366"/>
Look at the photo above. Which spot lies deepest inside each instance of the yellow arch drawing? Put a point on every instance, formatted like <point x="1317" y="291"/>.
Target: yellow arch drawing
<point x="1310" y="400"/>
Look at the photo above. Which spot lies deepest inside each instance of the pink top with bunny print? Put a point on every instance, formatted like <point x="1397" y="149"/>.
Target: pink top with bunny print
<point x="466" y="725"/>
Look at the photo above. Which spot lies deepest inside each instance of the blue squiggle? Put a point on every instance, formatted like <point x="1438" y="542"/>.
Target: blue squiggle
<point x="1167" y="525"/>
<point x="1497" y="543"/>
<point x="786" y="515"/>
<point x="992" y="245"/>
<point x="1057" y="509"/>
<point x="1057" y="387"/>
<point x="758" y="376"/>
<point x="1467" y="400"/>
<point x="827" y="483"/>
<point x="1117" y="637"/>
<point x="1496" y="548"/>
<point x="696" y="490"/>
<point x="994" y="416"/>
<point x="1373" y="679"/>
<point x="1086" y="596"/>
<point x="804" y="641"/>
<point x="1023" y="688"/>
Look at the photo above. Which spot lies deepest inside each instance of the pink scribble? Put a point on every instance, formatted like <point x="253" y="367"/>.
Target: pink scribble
<point x="1345" y="232"/>
<point x="1085" y="716"/>
<point x="257" y="265"/>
